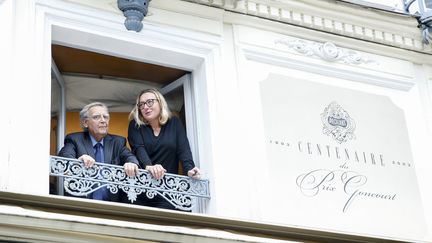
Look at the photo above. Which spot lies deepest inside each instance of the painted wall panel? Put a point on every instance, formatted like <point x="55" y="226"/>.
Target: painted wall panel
<point x="287" y="95"/>
<point x="341" y="159"/>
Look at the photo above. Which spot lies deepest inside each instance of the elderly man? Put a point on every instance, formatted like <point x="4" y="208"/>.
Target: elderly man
<point x="94" y="144"/>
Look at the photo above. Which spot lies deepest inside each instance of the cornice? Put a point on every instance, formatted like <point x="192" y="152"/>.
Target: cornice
<point x="335" y="17"/>
<point x="77" y="215"/>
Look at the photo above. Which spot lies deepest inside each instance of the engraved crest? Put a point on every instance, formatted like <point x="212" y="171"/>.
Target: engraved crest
<point x="337" y="123"/>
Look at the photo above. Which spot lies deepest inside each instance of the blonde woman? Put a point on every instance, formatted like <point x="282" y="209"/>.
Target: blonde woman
<point x="159" y="141"/>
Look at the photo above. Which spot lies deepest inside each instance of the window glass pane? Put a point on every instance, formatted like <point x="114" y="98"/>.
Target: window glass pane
<point x="387" y="4"/>
<point x="391" y="3"/>
<point x="429" y="4"/>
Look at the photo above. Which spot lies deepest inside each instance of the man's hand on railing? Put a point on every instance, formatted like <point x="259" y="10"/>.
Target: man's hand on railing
<point x="88" y="160"/>
<point x="131" y="169"/>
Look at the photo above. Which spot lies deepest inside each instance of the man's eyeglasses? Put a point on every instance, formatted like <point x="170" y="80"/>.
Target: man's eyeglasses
<point x="106" y="117"/>
<point x="148" y="102"/>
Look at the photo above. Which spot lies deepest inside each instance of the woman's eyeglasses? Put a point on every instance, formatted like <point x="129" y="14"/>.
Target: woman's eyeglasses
<point x="148" y="102"/>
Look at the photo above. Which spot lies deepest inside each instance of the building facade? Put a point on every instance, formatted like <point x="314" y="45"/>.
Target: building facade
<point x="312" y="120"/>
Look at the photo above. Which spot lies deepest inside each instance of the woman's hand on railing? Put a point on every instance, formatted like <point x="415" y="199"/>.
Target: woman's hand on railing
<point x="195" y="173"/>
<point x="157" y="170"/>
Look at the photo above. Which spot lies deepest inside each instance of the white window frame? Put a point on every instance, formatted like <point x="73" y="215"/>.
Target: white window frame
<point x="82" y="27"/>
<point x="189" y="104"/>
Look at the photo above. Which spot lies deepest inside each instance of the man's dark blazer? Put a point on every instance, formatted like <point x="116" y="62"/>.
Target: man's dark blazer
<point x="115" y="150"/>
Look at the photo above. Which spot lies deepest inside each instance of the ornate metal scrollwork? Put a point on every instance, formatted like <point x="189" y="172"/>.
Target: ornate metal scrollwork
<point x="180" y="191"/>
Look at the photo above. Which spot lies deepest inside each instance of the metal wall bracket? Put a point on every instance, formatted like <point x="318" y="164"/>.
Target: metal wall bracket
<point x="134" y="11"/>
<point x="425" y="23"/>
<point x="424" y="17"/>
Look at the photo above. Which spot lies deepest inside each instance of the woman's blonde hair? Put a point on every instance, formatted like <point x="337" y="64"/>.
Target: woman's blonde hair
<point x="164" y="115"/>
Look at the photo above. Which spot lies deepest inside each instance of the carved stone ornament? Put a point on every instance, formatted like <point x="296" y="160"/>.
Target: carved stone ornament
<point x="134" y="11"/>
<point x="326" y="51"/>
<point x="180" y="191"/>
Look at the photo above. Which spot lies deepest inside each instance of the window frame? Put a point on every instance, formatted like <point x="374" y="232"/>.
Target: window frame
<point x="83" y="28"/>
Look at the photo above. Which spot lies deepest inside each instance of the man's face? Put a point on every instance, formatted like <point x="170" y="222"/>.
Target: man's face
<point x="97" y="122"/>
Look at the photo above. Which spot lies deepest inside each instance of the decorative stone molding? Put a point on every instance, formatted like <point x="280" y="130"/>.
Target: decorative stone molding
<point x="326" y="51"/>
<point x="134" y="11"/>
<point x="289" y="12"/>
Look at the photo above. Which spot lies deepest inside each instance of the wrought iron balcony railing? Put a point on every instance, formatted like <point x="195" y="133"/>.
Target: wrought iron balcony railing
<point x="181" y="191"/>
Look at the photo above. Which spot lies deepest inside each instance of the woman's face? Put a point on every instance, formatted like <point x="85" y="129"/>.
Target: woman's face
<point x="149" y="107"/>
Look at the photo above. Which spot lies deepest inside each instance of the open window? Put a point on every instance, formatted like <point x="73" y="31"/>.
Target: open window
<point x="82" y="76"/>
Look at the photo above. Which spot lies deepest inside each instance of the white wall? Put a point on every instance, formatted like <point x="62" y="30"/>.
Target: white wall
<point x="255" y="54"/>
<point x="27" y="91"/>
<point x="6" y="25"/>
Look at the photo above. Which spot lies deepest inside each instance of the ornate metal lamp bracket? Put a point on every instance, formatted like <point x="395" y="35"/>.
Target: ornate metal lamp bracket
<point x="424" y="17"/>
<point x="425" y="23"/>
<point x="134" y="11"/>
